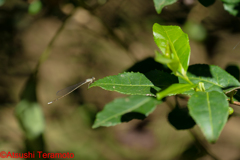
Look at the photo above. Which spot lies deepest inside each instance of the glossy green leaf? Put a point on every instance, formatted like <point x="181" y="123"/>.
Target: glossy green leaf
<point x="175" y="89"/>
<point x="35" y="7"/>
<point x="173" y="64"/>
<point x="213" y="77"/>
<point x="178" y="41"/>
<point x="131" y="83"/>
<point x="159" y="4"/>
<point x="120" y="109"/>
<point x="210" y="112"/>
<point x="30" y="117"/>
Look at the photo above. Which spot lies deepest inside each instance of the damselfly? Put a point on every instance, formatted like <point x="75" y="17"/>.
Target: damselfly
<point x="66" y="91"/>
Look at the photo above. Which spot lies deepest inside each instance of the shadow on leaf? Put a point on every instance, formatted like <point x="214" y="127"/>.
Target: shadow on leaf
<point x="233" y="70"/>
<point x="148" y="65"/>
<point x="132" y="115"/>
<point x="202" y="70"/>
<point x="180" y="118"/>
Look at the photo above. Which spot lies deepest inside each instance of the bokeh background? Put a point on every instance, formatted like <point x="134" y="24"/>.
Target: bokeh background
<point x="85" y="38"/>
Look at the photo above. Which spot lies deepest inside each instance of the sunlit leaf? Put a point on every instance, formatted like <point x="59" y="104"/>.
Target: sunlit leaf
<point x="173" y="64"/>
<point x="210" y="112"/>
<point x="124" y="109"/>
<point x="178" y="41"/>
<point x="175" y="89"/>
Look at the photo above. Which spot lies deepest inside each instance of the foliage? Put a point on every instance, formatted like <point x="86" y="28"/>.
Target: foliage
<point x="159" y="4"/>
<point x="206" y="85"/>
<point x="35" y="7"/>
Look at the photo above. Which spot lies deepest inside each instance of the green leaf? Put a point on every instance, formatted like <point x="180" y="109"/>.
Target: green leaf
<point x="213" y="77"/>
<point x="195" y="31"/>
<point x="35" y="7"/>
<point x="178" y="41"/>
<point x="2" y="2"/>
<point x="30" y="117"/>
<point x="173" y="64"/>
<point x="131" y="83"/>
<point x="232" y="6"/>
<point x="175" y="89"/>
<point x="124" y="109"/>
<point x="159" y="4"/>
<point x="210" y="112"/>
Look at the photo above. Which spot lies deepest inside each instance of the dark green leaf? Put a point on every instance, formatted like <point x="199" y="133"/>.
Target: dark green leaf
<point x="175" y="89"/>
<point x="178" y="41"/>
<point x="210" y="112"/>
<point x="137" y="83"/>
<point x="159" y="4"/>
<point x="213" y="77"/>
<point x="120" y="109"/>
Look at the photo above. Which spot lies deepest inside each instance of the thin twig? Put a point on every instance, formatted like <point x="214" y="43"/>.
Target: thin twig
<point x="47" y="50"/>
<point x="201" y="145"/>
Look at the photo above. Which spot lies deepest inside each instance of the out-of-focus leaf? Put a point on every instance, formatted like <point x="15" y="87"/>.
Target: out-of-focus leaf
<point x="206" y="3"/>
<point x="131" y="83"/>
<point x="35" y="7"/>
<point x="195" y="31"/>
<point x="2" y="2"/>
<point x="159" y="4"/>
<point x="178" y="41"/>
<point x="213" y="77"/>
<point x="124" y="109"/>
<point x="232" y="6"/>
<point x="29" y="112"/>
<point x="175" y="89"/>
<point x="210" y="112"/>
<point x="31" y="118"/>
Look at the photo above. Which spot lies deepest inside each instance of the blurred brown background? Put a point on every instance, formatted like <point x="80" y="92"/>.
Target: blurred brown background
<point x="101" y="38"/>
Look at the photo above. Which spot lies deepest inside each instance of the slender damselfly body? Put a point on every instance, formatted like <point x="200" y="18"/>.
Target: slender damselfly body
<point x="66" y="91"/>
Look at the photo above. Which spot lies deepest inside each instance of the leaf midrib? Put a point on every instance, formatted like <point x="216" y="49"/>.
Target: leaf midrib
<point x="210" y="113"/>
<point x="129" y="85"/>
<point x="174" y="50"/>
